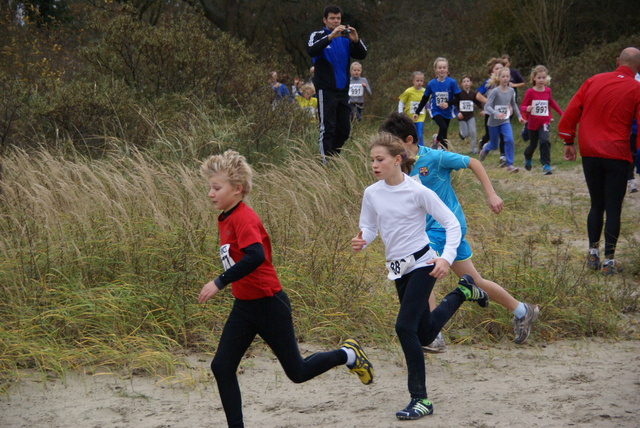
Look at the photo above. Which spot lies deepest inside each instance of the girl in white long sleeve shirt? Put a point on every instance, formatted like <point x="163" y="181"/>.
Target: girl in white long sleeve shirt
<point x="396" y="207"/>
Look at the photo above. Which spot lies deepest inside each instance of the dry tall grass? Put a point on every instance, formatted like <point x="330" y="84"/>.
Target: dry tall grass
<point x="101" y="260"/>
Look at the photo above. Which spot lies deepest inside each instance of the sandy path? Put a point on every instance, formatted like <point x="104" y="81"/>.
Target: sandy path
<point x="567" y="383"/>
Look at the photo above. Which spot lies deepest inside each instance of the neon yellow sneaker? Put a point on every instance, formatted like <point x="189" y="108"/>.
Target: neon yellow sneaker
<point x="362" y="367"/>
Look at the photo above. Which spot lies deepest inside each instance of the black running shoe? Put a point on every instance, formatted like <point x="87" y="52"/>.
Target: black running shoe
<point x="417" y="408"/>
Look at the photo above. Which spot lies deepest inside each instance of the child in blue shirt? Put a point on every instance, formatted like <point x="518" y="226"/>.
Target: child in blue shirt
<point x="443" y="92"/>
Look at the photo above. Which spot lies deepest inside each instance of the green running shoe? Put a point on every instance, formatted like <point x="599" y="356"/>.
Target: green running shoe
<point x="417" y="408"/>
<point x="472" y="292"/>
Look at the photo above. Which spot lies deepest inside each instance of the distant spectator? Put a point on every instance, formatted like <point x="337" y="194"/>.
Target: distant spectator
<point x="308" y="102"/>
<point x="330" y="49"/>
<point x="280" y="90"/>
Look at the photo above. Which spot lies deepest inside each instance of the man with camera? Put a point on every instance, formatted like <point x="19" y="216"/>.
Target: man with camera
<point x="330" y="49"/>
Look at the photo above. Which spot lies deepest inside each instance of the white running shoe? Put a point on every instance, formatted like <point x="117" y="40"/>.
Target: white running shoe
<point x="438" y="345"/>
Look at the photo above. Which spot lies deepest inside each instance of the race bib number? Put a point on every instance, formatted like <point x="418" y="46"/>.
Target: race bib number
<point x="397" y="268"/>
<point x="414" y="106"/>
<point x="466" y="106"/>
<point x="540" y="108"/>
<point x="356" y="90"/>
<point x="442" y="97"/>
<point x="225" y="257"/>
<point x="310" y="110"/>
<point x="502" y="110"/>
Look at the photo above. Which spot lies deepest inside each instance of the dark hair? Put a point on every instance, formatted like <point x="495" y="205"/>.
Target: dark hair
<point x="331" y="9"/>
<point x="492" y="63"/>
<point x="394" y="146"/>
<point x="465" y="76"/>
<point x="400" y="125"/>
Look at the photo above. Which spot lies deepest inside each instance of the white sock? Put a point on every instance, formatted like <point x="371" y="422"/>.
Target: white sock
<point x="593" y="251"/>
<point x="520" y="311"/>
<point x="351" y="356"/>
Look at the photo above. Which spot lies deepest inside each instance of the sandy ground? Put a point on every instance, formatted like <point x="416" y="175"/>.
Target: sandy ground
<point x="589" y="383"/>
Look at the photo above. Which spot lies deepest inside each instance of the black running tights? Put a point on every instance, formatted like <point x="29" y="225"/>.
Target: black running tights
<point x="443" y="128"/>
<point x="417" y="326"/>
<point x="607" y="183"/>
<point x="270" y="318"/>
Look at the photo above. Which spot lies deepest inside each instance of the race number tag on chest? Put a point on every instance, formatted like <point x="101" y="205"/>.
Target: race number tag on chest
<point x="356" y="90"/>
<point x="466" y="106"/>
<point x="442" y="97"/>
<point x="414" y="106"/>
<point x="540" y="108"/>
<point x="502" y="110"/>
<point x="397" y="268"/>
<point x="225" y="257"/>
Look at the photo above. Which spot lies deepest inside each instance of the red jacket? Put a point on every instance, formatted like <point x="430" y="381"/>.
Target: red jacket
<point x="605" y="106"/>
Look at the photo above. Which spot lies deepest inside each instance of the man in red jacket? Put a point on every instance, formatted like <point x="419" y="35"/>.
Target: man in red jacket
<point x="605" y="106"/>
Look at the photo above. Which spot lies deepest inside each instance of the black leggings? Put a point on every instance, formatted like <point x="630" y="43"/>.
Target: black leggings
<point x="632" y="142"/>
<point x="417" y="326"/>
<point x="270" y="318"/>
<point x="443" y="129"/>
<point x="541" y="134"/>
<point x="607" y="183"/>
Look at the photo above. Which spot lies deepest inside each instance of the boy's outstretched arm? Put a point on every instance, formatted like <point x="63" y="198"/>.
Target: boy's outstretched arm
<point x="208" y="291"/>
<point x="495" y="202"/>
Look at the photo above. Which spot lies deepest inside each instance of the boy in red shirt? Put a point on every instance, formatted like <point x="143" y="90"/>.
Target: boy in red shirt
<point x="261" y="306"/>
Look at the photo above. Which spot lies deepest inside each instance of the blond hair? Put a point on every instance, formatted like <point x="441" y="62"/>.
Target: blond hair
<point x="308" y="87"/>
<point x="537" y="70"/>
<point x="416" y="73"/>
<point x="494" y="80"/>
<point x="233" y="164"/>
<point x="353" y="64"/>
<point x="440" y="59"/>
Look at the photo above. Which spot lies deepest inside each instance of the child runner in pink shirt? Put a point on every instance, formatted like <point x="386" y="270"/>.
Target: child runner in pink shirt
<point x="535" y="109"/>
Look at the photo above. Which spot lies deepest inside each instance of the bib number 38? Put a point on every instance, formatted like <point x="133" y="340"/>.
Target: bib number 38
<point x="397" y="268"/>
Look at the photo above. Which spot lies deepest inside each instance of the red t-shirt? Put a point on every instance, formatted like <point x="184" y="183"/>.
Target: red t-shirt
<point x="238" y="230"/>
<point x="542" y="103"/>
<point x="605" y="106"/>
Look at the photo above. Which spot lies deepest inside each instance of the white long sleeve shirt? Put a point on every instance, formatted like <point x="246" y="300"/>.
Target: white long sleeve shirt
<point x="399" y="214"/>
